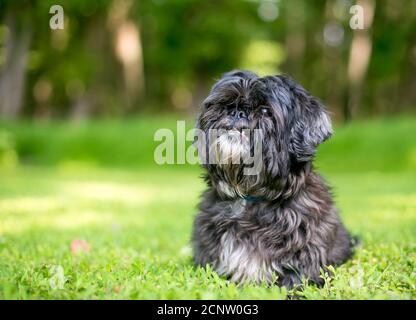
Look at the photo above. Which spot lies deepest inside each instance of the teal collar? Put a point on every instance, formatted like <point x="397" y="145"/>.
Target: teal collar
<point x="254" y="199"/>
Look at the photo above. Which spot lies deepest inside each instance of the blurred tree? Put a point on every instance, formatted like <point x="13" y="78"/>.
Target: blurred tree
<point x="128" y="48"/>
<point x="189" y="42"/>
<point x="17" y="35"/>
<point x="116" y="57"/>
<point x="359" y="59"/>
<point x="392" y="70"/>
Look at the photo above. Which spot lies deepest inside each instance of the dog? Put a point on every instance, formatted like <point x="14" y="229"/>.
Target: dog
<point x="279" y="226"/>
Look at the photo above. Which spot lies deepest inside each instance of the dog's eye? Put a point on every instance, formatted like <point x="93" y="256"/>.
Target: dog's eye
<point x="264" y="110"/>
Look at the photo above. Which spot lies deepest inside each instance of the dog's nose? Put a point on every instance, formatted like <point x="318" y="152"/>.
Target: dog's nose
<point x="238" y="114"/>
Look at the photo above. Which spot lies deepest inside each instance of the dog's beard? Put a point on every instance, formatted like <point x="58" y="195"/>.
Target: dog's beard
<point x="231" y="147"/>
<point x="231" y="151"/>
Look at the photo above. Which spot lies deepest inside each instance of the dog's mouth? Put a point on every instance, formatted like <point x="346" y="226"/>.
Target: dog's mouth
<point x="231" y="146"/>
<point x="238" y="135"/>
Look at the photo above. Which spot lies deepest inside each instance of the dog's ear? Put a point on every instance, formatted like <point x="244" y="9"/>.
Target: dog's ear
<point x="307" y="119"/>
<point x="311" y="124"/>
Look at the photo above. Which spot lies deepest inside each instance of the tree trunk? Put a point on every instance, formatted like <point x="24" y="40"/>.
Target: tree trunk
<point x="12" y="77"/>
<point x="360" y="54"/>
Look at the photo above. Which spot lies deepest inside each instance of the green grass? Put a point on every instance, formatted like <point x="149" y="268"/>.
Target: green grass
<point x="137" y="217"/>
<point x="387" y="146"/>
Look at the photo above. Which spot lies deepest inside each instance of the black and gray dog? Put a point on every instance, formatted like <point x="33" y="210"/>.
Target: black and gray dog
<point x="281" y="225"/>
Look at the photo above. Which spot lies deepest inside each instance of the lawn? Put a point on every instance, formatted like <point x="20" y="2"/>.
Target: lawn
<point x="94" y="185"/>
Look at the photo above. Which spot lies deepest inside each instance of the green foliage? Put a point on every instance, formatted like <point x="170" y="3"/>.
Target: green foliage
<point x="385" y="145"/>
<point x="8" y="156"/>
<point x="105" y="143"/>
<point x="187" y="44"/>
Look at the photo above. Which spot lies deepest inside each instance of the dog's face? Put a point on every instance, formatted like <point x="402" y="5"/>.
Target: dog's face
<point x="292" y="124"/>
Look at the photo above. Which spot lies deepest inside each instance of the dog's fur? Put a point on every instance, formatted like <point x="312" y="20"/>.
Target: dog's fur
<point x="292" y="229"/>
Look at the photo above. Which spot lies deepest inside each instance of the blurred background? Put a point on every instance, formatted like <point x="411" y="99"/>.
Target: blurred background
<point x="121" y="57"/>
<point x="149" y="60"/>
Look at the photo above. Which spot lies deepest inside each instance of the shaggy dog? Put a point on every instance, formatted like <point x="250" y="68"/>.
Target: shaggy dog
<point x="279" y="225"/>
